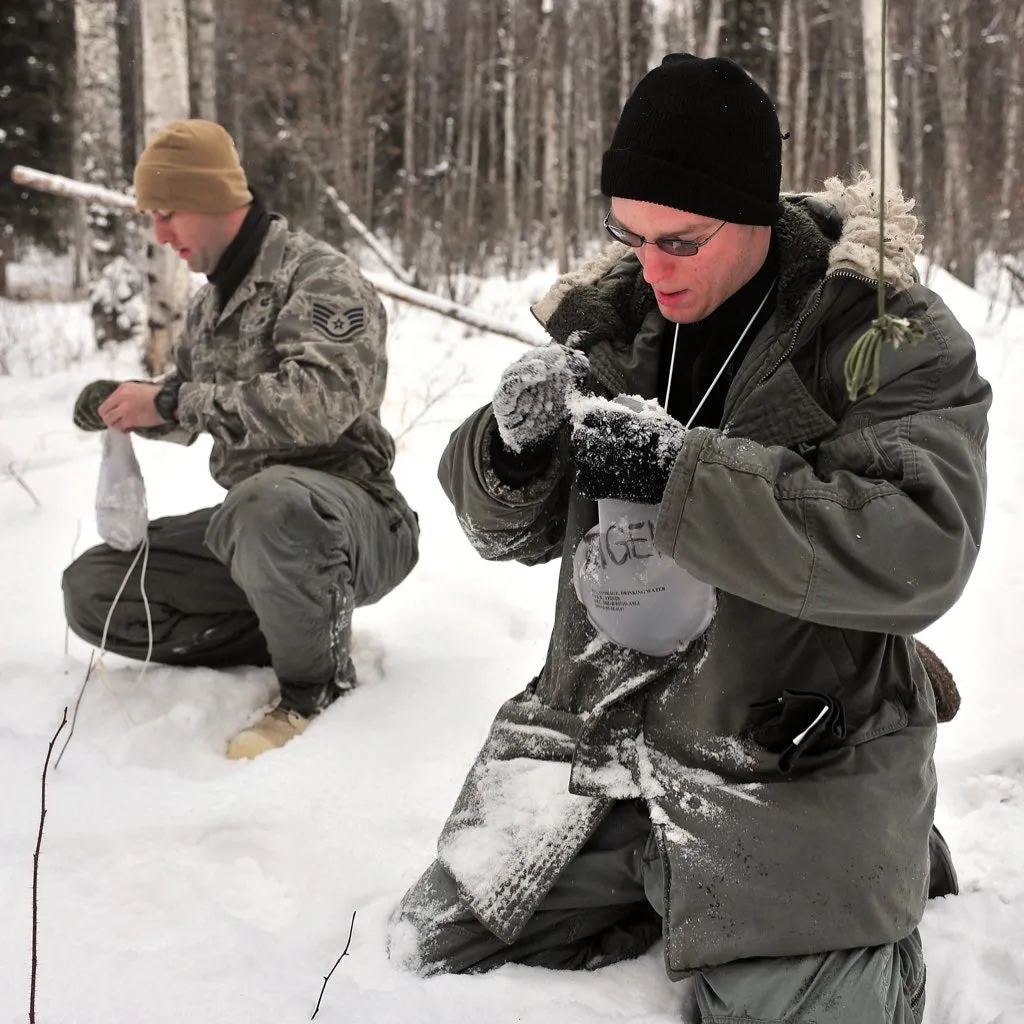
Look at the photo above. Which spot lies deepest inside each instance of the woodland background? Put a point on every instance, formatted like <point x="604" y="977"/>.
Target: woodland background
<point x="468" y="133"/>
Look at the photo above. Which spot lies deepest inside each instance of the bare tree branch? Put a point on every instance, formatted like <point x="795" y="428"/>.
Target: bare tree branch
<point x="35" y="873"/>
<point x="327" y="978"/>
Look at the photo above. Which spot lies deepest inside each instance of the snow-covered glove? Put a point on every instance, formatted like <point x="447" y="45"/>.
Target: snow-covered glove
<point x="530" y="402"/>
<point x="621" y="453"/>
<point x="90" y="398"/>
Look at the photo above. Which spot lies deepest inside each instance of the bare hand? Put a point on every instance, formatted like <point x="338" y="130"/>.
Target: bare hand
<point x="131" y="406"/>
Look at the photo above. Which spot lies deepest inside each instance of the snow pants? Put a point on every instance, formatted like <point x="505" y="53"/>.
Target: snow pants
<point x="268" y="577"/>
<point x="601" y="910"/>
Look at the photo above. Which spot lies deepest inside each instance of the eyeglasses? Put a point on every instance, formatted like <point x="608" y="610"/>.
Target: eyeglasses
<point x="672" y="246"/>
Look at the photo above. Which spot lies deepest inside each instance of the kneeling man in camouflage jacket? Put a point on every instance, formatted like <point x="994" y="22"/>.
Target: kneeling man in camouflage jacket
<point x="282" y="361"/>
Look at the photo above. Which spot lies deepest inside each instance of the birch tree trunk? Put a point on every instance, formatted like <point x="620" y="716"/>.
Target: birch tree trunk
<point x="660" y="16"/>
<point x="625" y="75"/>
<point x="553" y="212"/>
<point x="409" y="130"/>
<point x="686" y="27"/>
<point x="784" y="82"/>
<point x="1012" y="131"/>
<point x="508" y="53"/>
<point x="565" y="135"/>
<point x="959" y="254"/>
<point x="916" y="113"/>
<point x="97" y="156"/>
<point x="115" y="284"/>
<point x="202" y="58"/>
<point x="799" y="141"/>
<point x="882" y="123"/>
<point x="714" y="29"/>
<point x="165" y="98"/>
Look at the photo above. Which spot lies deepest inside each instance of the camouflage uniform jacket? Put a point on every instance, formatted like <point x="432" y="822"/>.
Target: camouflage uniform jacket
<point x="786" y="755"/>
<point x="291" y="371"/>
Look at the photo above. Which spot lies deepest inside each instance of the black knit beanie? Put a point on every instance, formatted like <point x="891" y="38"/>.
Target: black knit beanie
<point x="700" y="135"/>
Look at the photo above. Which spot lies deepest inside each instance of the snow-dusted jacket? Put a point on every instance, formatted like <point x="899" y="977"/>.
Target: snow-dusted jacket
<point x="786" y="756"/>
<point x="292" y="370"/>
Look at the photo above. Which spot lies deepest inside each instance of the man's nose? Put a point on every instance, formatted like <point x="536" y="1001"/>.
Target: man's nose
<point x="657" y="265"/>
<point x="162" y="232"/>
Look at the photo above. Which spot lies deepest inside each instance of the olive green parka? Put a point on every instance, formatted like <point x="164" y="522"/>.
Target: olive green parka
<point x="786" y="755"/>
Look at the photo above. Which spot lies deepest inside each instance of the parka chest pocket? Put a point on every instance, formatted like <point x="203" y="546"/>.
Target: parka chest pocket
<point x="805" y="729"/>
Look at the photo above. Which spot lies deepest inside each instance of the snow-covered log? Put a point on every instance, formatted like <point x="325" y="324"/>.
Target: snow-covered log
<point x="68" y="187"/>
<point x="395" y="289"/>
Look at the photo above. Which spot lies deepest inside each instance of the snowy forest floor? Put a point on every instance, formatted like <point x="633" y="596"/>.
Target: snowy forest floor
<point x="176" y="885"/>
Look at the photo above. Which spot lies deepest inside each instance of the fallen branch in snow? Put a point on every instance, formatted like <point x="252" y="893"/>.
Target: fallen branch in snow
<point x="73" y="189"/>
<point x="384" y="254"/>
<point x="452" y="310"/>
<point x="13" y="474"/>
<point x="344" y="953"/>
<point x="430" y="399"/>
<point x="35" y="873"/>
<point x="70" y="188"/>
<point x="8" y="470"/>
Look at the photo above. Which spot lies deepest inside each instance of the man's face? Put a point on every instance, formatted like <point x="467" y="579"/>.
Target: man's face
<point x="689" y="288"/>
<point x="198" y="238"/>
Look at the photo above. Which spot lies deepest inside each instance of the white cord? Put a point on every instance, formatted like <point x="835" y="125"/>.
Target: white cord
<point x="739" y="341"/>
<point x="143" y="553"/>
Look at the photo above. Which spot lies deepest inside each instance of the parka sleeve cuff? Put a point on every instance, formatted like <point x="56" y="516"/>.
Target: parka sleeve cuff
<point x="526" y="489"/>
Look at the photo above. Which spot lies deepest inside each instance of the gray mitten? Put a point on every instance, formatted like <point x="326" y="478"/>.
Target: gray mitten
<point x="530" y="402"/>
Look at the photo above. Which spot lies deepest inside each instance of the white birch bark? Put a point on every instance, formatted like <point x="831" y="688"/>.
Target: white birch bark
<point x="1012" y="124"/>
<point x="116" y="287"/>
<point x="784" y="82"/>
<point x="97" y="155"/>
<point x="660" y="18"/>
<point x="553" y="207"/>
<point x="960" y="255"/>
<point x="409" y="128"/>
<point x="625" y="74"/>
<point x="202" y="58"/>
<point x="165" y="98"/>
<point x="714" y="29"/>
<point x="801" y="103"/>
<point x="881" y="123"/>
<point x="508" y="53"/>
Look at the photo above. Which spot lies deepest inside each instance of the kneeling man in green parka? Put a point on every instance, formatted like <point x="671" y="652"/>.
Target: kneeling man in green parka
<point x="283" y="362"/>
<point x="729" y="745"/>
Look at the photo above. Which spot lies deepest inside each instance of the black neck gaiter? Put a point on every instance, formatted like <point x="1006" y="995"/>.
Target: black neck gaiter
<point x="705" y="345"/>
<point x="240" y="255"/>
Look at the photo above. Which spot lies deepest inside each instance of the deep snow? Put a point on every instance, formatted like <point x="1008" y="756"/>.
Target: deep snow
<point x="176" y="885"/>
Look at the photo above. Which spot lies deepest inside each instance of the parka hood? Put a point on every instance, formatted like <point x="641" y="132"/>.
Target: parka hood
<point x="835" y="229"/>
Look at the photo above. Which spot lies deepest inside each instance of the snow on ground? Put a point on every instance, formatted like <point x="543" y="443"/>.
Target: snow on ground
<point x="176" y="885"/>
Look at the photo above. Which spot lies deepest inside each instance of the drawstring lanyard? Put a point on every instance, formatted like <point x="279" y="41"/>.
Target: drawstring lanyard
<point x="739" y="341"/>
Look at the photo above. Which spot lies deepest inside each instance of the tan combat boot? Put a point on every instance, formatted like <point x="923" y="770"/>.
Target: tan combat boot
<point x="273" y="730"/>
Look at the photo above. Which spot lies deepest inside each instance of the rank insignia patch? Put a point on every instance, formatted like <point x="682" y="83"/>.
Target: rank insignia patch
<point x="335" y="326"/>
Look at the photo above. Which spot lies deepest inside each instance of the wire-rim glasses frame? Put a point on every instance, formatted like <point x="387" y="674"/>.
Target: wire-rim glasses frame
<point x="671" y="246"/>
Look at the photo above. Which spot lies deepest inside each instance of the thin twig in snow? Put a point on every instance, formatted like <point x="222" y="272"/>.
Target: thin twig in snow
<point x="430" y="398"/>
<point x="20" y="481"/>
<point x="344" y="953"/>
<point x="35" y="873"/>
<point x="74" y="714"/>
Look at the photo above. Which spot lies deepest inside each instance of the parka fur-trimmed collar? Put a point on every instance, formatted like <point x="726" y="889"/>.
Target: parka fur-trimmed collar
<point x="607" y="298"/>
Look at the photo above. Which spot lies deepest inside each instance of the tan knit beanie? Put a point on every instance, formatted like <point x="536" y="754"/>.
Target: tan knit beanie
<point x="191" y="165"/>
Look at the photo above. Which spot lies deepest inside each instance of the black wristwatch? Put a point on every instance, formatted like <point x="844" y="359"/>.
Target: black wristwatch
<point x="166" y="400"/>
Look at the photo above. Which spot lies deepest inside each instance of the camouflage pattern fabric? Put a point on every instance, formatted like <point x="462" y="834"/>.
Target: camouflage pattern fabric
<point x="291" y="371"/>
